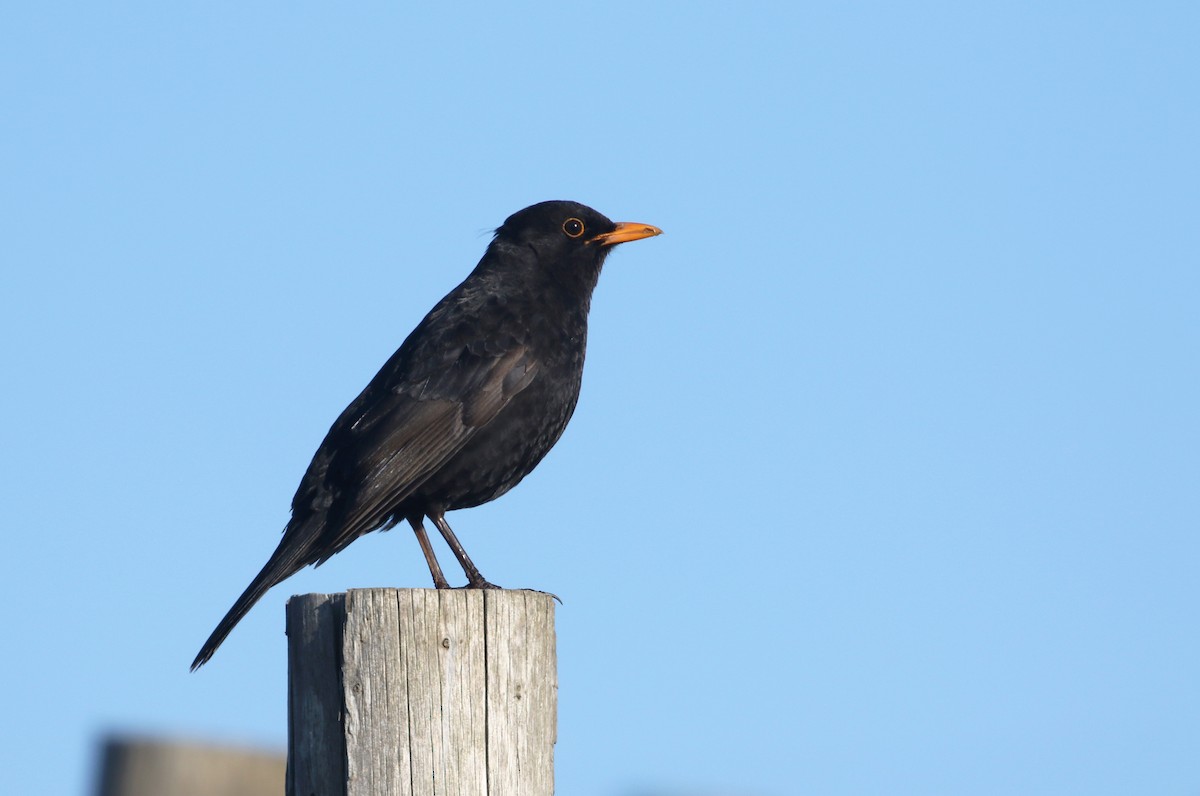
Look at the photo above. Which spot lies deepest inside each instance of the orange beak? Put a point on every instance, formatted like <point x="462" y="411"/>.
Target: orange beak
<point x="625" y="231"/>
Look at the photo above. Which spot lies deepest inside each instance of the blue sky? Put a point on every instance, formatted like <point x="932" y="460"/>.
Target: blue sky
<point x="884" y="477"/>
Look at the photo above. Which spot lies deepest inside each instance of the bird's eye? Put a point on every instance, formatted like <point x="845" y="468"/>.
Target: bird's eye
<point x="573" y="227"/>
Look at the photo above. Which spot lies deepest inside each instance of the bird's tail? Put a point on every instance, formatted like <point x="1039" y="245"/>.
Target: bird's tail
<point x="281" y="566"/>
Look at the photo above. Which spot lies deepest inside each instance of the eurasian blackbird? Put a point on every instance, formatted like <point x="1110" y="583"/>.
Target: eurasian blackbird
<point x="467" y="407"/>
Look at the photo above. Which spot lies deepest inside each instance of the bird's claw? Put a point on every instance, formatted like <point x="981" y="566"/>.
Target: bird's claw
<point x="557" y="599"/>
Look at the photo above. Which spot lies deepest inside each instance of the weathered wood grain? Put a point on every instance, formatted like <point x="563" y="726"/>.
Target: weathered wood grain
<point x="446" y="693"/>
<point x="522" y="694"/>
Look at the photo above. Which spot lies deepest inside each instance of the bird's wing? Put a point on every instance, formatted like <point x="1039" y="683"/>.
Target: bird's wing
<point x="394" y="436"/>
<point x="395" y="439"/>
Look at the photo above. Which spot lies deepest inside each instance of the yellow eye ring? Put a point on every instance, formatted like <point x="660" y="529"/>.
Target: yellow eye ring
<point x="572" y="227"/>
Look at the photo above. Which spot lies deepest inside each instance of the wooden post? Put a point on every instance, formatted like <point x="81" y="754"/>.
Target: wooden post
<point x="159" y="767"/>
<point x="418" y="692"/>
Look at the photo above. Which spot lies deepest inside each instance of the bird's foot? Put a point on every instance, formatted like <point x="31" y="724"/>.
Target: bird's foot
<point x="479" y="583"/>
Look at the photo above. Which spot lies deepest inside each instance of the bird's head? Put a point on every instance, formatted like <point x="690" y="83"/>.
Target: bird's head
<point x="566" y="240"/>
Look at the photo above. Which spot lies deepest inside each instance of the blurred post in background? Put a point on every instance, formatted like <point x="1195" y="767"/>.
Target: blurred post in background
<point x="143" y="766"/>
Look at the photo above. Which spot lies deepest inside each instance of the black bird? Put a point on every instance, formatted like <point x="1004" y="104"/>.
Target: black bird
<point x="467" y="407"/>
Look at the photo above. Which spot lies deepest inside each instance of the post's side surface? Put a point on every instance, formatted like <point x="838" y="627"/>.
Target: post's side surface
<point x="451" y="693"/>
<point x="522" y="693"/>
<point x="316" y="764"/>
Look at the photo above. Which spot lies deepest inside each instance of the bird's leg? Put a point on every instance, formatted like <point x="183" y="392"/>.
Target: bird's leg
<point x="439" y="580"/>
<point x="474" y="579"/>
